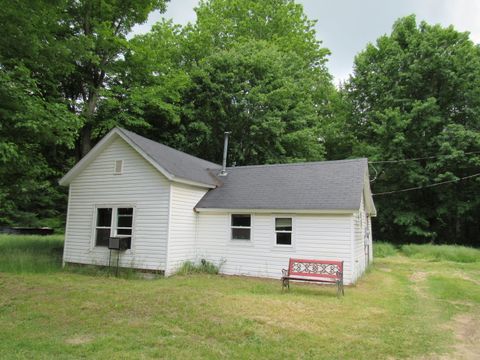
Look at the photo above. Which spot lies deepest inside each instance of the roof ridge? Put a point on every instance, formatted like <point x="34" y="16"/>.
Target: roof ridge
<point x="126" y="132"/>
<point x="301" y="163"/>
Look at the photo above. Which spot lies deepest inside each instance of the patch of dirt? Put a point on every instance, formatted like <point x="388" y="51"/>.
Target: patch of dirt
<point x="418" y="276"/>
<point x="79" y="340"/>
<point x="466" y="328"/>
<point x="467" y="333"/>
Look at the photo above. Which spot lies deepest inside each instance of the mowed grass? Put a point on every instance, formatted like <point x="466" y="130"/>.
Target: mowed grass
<point x="402" y="308"/>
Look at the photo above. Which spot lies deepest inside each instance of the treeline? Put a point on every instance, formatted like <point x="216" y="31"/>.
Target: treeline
<point x="69" y="72"/>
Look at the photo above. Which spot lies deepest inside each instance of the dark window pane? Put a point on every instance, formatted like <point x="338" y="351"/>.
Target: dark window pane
<point x="124" y="221"/>
<point x="102" y="237"/>
<point x="125" y="211"/>
<point x="124" y="231"/>
<point x="283" y="224"/>
<point x="240" y="234"/>
<point x="284" y="238"/>
<point x="241" y="220"/>
<point x="104" y="217"/>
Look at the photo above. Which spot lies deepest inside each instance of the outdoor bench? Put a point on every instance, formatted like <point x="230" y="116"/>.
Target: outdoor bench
<point x="321" y="271"/>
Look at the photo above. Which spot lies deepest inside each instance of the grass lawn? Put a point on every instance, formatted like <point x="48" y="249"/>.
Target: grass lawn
<point x="404" y="307"/>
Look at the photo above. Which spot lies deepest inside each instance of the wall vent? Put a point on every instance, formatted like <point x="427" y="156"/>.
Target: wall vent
<point x="118" y="167"/>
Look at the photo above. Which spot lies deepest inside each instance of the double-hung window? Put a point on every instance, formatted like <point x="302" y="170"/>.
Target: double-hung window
<point x="113" y="221"/>
<point x="241" y="226"/>
<point x="283" y="231"/>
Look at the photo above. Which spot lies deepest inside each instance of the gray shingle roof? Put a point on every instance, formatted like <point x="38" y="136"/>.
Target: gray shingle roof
<point x="176" y="162"/>
<point x="326" y="185"/>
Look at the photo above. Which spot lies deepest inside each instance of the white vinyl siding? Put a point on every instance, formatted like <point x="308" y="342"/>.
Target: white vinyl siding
<point x="316" y="237"/>
<point x="361" y="222"/>
<point x="183" y="222"/>
<point x="140" y="186"/>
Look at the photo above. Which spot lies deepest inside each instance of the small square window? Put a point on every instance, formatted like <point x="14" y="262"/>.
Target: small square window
<point x="241" y="226"/>
<point x="283" y="231"/>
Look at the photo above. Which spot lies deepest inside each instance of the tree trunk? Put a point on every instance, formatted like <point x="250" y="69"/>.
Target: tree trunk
<point x="85" y="140"/>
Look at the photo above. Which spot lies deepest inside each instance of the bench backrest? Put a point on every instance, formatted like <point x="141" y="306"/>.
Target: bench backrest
<point x="330" y="269"/>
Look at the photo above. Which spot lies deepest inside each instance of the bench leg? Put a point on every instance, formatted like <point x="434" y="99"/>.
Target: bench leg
<point x="340" y="288"/>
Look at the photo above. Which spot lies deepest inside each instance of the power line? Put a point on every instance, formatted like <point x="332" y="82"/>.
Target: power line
<point x="426" y="186"/>
<point x="418" y="158"/>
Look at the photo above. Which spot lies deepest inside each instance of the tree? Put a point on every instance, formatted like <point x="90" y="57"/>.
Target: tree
<point x="36" y="126"/>
<point x="96" y="31"/>
<point x="253" y="68"/>
<point x="255" y="91"/>
<point x="56" y="60"/>
<point x="415" y="93"/>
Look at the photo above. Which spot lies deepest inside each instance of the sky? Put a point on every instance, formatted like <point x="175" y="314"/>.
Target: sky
<point x="347" y="26"/>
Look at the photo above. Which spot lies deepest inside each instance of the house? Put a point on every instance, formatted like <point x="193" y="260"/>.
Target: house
<point x="173" y="207"/>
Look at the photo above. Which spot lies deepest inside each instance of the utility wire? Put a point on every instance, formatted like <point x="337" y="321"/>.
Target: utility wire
<point x="426" y="186"/>
<point x="418" y="158"/>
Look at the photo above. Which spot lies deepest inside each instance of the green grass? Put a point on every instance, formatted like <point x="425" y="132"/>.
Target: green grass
<point x="442" y="253"/>
<point x="31" y="254"/>
<point x="383" y="249"/>
<point x="391" y="313"/>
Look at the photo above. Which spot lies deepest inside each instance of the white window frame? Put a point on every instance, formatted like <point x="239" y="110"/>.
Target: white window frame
<point x="113" y="226"/>
<point x="275" y="231"/>
<point x="241" y="227"/>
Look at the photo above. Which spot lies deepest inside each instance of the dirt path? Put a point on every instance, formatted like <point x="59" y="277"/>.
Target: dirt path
<point x="466" y="328"/>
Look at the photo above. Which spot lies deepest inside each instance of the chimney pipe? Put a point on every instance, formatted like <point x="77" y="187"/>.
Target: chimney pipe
<point x="225" y="150"/>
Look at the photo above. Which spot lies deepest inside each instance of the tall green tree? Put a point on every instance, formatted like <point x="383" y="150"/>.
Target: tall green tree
<point x="36" y="126"/>
<point x="416" y="93"/>
<point x="56" y="60"/>
<point x="253" y="68"/>
<point x="96" y="31"/>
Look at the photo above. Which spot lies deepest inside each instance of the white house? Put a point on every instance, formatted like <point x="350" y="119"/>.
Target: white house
<point x="174" y="207"/>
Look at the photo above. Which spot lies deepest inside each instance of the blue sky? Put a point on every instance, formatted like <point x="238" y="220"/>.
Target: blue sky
<point x="346" y="26"/>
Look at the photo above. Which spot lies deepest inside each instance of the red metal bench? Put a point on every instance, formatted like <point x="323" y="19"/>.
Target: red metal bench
<point x="322" y="271"/>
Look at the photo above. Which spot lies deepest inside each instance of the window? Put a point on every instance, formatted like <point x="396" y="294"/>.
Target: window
<point x="113" y="221"/>
<point x="104" y="226"/>
<point x="283" y="231"/>
<point x="241" y="226"/>
<point x="118" y="167"/>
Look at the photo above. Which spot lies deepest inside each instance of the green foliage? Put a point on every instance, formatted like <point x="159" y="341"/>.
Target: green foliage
<point x="255" y="91"/>
<point x="55" y="58"/>
<point x="383" y="249"/>
<point x="203" y="267"/>
<point x="415" y="93"/>
<point x="432" y="252"/>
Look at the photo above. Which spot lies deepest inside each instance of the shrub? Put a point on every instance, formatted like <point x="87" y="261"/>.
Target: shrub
<point x="204" y="267"/>
<point x="383" y="249"/>
<point x="432" y="252"/>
